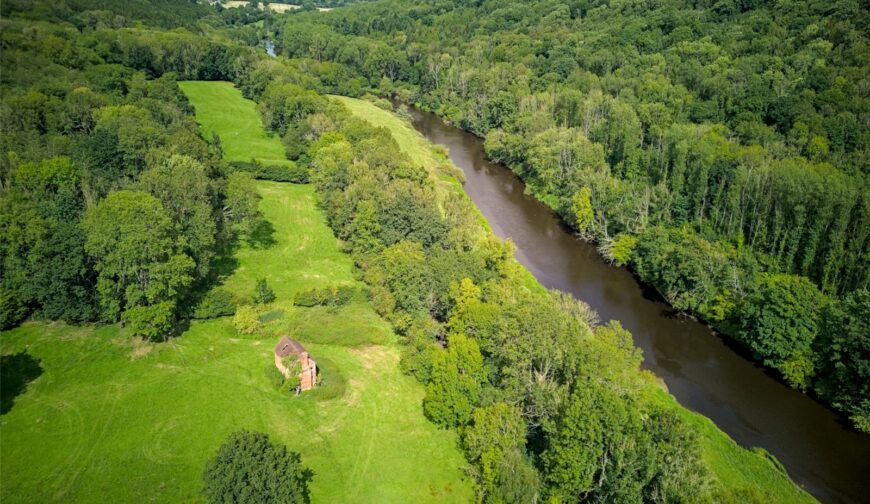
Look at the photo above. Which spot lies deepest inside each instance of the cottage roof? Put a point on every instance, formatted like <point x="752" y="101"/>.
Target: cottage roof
<point x="287" y="346"/>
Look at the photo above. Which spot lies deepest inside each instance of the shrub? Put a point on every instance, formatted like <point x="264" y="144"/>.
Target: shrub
<point x="275" y="377"/>
<point x="217" y="303"/>
<point x="151" y="322"/>
<point x="290" y="172"/>
<point x="329" y="296"/>
<point x="293" y="173"/>
<point x="12" y="312"/>
<point x="620" y="249"/>
<point x="250" y="469"/>
<point x="246" y="320"/>
<point x="264" y="294"/>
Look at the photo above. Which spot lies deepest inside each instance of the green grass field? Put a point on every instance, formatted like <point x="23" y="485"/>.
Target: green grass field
<point x="220" y="108"/>
<point x="113" y="419"/>
<point x="734" y="467"/>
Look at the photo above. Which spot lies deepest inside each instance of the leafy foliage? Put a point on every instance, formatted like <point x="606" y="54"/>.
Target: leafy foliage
<point x="247" y="320"/>
<point x="140" y="271"/>
<point x="780" y="320"/>
<point x="330" y="296"/>
<point x="263" y="294"/>
<point x="216" y="303"/>
<point x="250" y="469"/>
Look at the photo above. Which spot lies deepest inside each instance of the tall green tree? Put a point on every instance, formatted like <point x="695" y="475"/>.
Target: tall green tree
<point x="250" y="468"/>
<point x="780" y="320"/>
<point x="44" y="263"/>
<point x="187" y="195"/>
<point x="456" y="382"/>
<point x="142" y="269"/>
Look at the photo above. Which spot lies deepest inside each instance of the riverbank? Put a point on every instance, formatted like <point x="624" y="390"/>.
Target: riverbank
<point x="734" y="467"/>
<point x="701" y="370"/>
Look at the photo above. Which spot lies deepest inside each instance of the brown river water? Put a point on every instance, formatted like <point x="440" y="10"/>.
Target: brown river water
<point x="701" y="369"/>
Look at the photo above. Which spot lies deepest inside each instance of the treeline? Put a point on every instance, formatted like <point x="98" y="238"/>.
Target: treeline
<point x="548" y="405"/>
<point x="112" y="207"/>
<point x="719" y="150"/>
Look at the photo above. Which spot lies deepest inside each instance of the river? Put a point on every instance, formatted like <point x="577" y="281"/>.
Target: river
<point x="700" y="369"/>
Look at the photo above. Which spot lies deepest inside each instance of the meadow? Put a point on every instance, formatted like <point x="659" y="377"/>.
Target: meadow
<point x="110" y="418"/>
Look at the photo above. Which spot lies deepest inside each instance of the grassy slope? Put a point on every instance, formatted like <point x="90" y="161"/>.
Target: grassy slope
<point x="115" y="420"/>
<point x="734" y="466"/>
<point x="235" y="120"/>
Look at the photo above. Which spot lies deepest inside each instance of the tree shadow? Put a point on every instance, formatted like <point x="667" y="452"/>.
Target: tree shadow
<point x="16" y="371"/>
<point x="223" y="264"/>
<point x="263" y="235"/>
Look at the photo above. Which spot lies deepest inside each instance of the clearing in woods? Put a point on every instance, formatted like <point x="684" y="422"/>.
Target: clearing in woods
<point x="112" y="419"/>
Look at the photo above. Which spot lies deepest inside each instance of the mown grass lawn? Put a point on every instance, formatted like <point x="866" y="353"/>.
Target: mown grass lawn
<point x="734" y="466"/>
<point x="113" y="419"/>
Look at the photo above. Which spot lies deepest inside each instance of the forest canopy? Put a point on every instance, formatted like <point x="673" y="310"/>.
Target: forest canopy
<point x="710" y="146"/>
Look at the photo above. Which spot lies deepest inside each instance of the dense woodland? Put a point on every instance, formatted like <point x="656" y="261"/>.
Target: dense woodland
<point x="114" y="209"/>
<point x="720" y="149"/>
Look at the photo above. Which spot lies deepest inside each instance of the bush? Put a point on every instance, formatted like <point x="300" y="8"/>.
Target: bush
<point x="151" y="322"/>
<point x="264" y="294"/>
<point x="329" y="296"/>
<point x="331" y="384"/>
<point x="291" y="172"/>
<point x="250" y="469"/>
<point x="247" y="320"/>
<point x="12" y="312"/>
<point x="275" y="377"/>
<point x="217" y="303"/>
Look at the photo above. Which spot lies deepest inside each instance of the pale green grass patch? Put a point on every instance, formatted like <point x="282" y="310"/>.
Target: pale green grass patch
<point x="220" y="108"/>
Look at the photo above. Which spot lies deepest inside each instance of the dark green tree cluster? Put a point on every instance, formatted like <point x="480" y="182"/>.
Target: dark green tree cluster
<point x="249" y="468"/>
<point x="112" y="207"/>
<point x="711" y="147"/>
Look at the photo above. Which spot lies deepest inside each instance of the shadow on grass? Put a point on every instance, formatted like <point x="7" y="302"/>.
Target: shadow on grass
<point x="221" y="267"/>
<point x="16" y="371"/>
<point x="263" y="236"/>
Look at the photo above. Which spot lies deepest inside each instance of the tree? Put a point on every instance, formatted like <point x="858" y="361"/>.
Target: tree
<point x="263" y="294"/>
<point x="494" y="443"/>
<point x="581" y="209"/>
<point x="240" y="206"/>
<point x="185" y="191"/>
<point x="138" y="261"/>
<point x="779" y="320"/>
<point x="844" y="344"/>
<point x="365" y="229"/>
<point x="597" y="449"/>
<point x="249" y="468"/>
<point x="680" y="475"/>
<point x="44" y="265"/>
<point x="455" y="384"/>
<point x="620" y="249"/>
